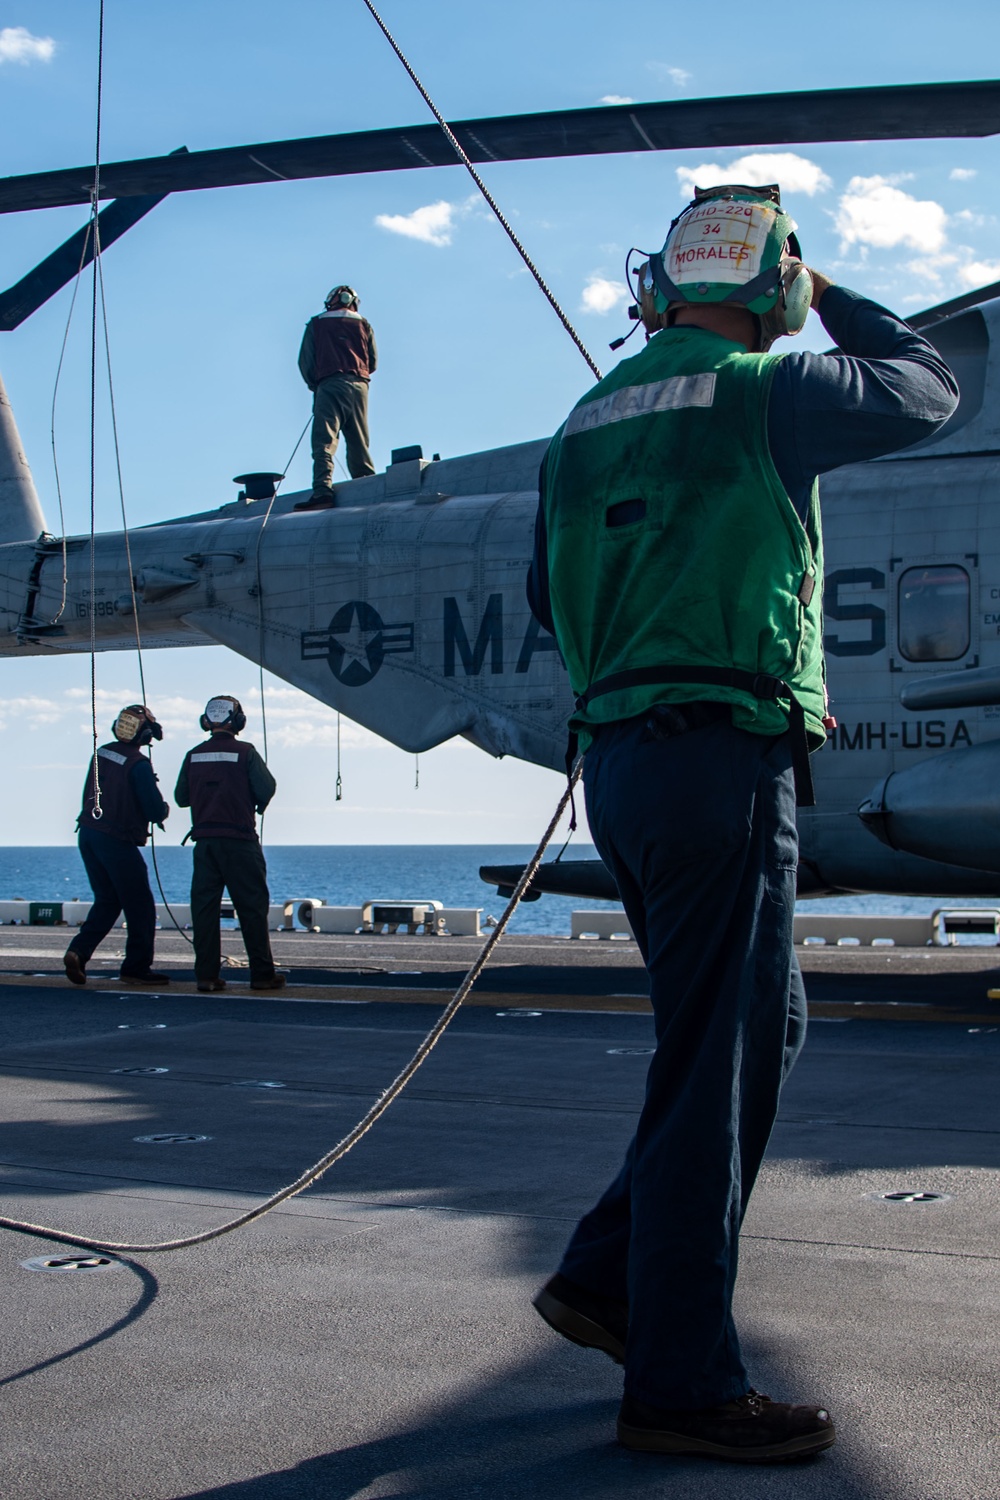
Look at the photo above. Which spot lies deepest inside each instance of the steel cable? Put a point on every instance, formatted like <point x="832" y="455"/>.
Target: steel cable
<point x="459" y="151"/>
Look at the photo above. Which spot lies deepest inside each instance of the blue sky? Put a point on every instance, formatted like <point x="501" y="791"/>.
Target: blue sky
<point x="208" y="295"/>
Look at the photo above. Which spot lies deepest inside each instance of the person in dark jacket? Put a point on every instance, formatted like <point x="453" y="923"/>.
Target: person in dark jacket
<point x="337" y="359"/>
<point x="120" y="800"/>
<point x="225" y="783"/>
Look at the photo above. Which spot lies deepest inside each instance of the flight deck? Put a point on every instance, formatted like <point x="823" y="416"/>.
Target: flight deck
<point x="374" y="1337"/>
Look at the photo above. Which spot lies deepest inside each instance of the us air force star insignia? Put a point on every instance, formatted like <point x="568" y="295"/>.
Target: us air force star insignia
<point x="356" y="642"/>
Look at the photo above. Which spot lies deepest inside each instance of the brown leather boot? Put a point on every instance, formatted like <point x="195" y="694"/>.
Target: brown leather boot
<point x="75" y="968"/>
<point x="752" y="1430"/>
<point x="584" y="1318"/>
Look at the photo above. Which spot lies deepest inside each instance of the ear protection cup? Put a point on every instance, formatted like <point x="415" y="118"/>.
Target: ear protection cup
<point x="791" y="308"/>
<point x="341" y="296"/>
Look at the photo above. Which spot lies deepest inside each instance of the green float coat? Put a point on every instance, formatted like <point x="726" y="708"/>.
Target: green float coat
<point x="711" y="566"/>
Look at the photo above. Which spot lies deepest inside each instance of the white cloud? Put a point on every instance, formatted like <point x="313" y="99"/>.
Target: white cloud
<point x="796" y="174"/>
<point x="18" y="45"/>
<point x="615" y="99"/>
<point x="979" y="273"/>
<point x="601" y="295"/>
<point x="37" y="711"/>
<point x="929" y="267"/>
<point x="677" y="76"/>
<point x="874" y="212"/>
<point x="962" y="174"/>
<point x="432" y="223"/>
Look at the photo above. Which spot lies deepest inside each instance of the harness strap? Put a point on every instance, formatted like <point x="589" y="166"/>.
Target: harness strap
<point x="758" y="684"/>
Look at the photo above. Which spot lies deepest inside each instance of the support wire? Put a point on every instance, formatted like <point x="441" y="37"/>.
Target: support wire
<point x="52" y="423"/>
<point x="96" y="194"/>
<point x="459" y="151"/>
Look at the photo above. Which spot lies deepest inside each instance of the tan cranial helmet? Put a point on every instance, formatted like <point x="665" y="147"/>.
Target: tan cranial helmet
<point x="135" y="725"/>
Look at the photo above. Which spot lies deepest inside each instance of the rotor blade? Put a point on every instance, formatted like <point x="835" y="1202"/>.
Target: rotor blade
<point x="932" y="315"/>
<point x="898" y="112"/>
<point x="51" y="275"/>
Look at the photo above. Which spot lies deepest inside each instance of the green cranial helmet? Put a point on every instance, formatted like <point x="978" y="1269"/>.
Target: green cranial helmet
<point x="733" y="244"/>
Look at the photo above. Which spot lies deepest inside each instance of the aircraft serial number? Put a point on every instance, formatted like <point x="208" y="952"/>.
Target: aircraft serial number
<point x="914" y="734"/>
<point x="99" y="607"/>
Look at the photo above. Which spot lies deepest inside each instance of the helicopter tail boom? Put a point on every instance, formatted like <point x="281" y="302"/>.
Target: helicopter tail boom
<point x="21" y="518"/>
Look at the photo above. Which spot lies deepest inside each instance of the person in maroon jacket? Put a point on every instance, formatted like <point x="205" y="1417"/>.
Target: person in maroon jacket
<point x="337" y="359"/>
<point x="225" y="783"/>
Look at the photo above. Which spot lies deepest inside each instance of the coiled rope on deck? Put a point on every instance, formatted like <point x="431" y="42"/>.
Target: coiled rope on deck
<point x="349" y="1141"/>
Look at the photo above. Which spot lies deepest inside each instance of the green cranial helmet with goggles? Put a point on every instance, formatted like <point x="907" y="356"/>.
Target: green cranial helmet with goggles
<point x="733" y="245"/>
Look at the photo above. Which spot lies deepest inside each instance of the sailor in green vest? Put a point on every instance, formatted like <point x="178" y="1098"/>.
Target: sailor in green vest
<point x="678" y="561"/>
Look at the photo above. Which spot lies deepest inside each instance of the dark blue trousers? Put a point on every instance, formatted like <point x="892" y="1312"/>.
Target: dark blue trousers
<point x="120" y="882"/>
<point x="700" y="833"/>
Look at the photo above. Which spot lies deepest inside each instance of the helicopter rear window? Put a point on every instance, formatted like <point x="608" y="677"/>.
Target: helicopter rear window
<point x="934" y="614"/>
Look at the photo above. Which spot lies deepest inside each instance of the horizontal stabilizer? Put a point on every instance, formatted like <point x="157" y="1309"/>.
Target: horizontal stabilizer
<point x="932" y="315"/>
<point x="917" y="111"/>
<point x="51" y="275"/>
<point x="587" y="879"/>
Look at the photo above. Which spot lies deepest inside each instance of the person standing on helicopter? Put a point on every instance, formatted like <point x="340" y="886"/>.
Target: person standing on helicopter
<point x="337" y="360"/>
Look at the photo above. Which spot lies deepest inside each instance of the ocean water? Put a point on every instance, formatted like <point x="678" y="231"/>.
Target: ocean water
<point x="339" y="874"/>
<point x="348" y="874"/>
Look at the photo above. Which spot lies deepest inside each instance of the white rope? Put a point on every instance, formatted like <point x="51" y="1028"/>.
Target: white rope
<point x="98" y="811"/>
<point x="349" y="1141"/>
<point x="52" y="424"/>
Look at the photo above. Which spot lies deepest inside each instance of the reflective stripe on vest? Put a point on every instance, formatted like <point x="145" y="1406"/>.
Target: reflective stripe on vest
<point x="222" y="804"/>
<point x="121" y="815"/>
<point x="642" y="401"/>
